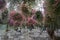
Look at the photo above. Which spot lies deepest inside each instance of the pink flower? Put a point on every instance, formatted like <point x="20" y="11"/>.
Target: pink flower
<point x="16" y="17"/>
<point x="11" y="22"/>
<point x="31" y="21"/>
<point x="12" y="13"/>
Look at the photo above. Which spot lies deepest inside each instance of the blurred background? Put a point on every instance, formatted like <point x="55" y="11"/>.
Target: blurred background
<point x="29" y="19"/>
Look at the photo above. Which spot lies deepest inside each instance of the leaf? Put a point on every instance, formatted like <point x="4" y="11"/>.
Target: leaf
<point x="38" y="15"/>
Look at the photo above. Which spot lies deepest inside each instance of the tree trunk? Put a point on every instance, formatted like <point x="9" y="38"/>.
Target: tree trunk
<point x="50" y="33"/>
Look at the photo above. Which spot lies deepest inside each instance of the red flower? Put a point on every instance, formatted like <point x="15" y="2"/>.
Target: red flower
<point x="31" y="21"/>
<point x="12" y="13"/>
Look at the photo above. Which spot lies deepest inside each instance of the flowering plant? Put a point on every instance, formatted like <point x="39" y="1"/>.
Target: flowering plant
<point x="16" y="18"/>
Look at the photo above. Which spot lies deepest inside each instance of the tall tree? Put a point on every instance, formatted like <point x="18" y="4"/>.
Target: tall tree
<point x="52" y="12"/>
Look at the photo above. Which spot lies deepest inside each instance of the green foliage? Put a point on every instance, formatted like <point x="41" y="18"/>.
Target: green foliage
<point x="54" y="10"/>
<point x="57" y="9"/>
<point x="25" y="9"/>
<point x="5" y="13"/>
<point x="51" y="1"/>
<point x="38" y="16"/>
<point x="15" y="1"/>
